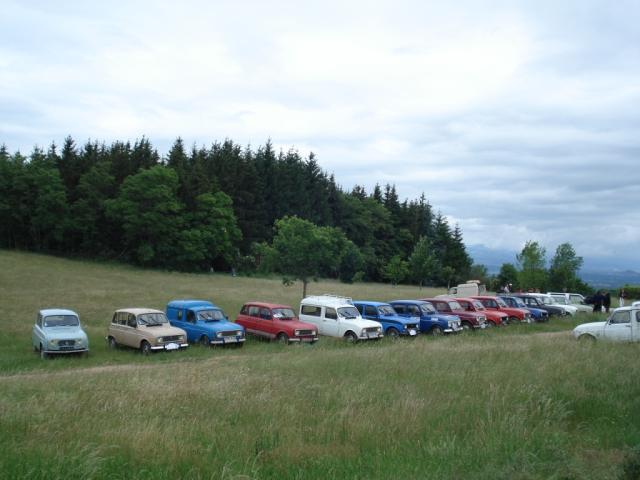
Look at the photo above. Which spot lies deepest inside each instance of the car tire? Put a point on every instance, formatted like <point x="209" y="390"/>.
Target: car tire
<point x="350" y="337"/>
<point x="282" y="338"/>
<point x="204" y="341"/>
<point x="145" y="347"/>
<point x="514" y="320"/>
<point x="490" y="324"/>
<point x="587" y="339"/>
<point x="466" y="326"/>
<point x="393" y="333"/>
<point x="112" y="343"/>
<point x="437" y="331"/>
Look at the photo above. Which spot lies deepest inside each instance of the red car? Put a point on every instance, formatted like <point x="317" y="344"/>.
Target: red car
<point x="450" y="306"/>
<point x="494" y="318"/>
<point x="273" y="321"/>
<point x="497" y="304"/>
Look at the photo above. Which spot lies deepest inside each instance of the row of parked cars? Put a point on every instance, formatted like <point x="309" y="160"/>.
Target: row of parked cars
<point x="199" y="321"/>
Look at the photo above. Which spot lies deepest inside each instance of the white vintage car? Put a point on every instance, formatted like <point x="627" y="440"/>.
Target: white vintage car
<point x="569" y="299"/>
<point x="622" y="326"/>
<point x="549" y="300"/>
<point x="336" y="316"/>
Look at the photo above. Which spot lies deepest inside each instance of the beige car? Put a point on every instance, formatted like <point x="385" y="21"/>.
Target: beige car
<point x="145" y="329"/>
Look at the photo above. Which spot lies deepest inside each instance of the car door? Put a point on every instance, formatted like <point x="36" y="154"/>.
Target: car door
<point x="331" y="323"/>
<point x="179" y="321"/>
<point x="618" y="327"/>
<point x="265" y="319"/>
<point x="312" y="314"/>
<point x="635" y="326"/>
<point x="130" y="334"/>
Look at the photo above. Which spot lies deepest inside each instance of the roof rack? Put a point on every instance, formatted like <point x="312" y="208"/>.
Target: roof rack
<point x="331" y="296"/>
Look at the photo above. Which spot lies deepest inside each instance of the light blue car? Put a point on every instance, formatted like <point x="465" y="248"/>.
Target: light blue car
<point x="58" y="331"/>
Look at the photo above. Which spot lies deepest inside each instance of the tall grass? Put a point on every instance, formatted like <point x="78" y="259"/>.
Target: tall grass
<point x="518" y="402"/>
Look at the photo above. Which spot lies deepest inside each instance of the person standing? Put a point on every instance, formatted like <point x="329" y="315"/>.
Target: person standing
<point x="606" y="301"/>
<point x="621" y="296"/>
<point x="597" y="302"/>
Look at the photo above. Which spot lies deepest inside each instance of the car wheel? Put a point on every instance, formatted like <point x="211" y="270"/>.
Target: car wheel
<point x="145" y="348"/>
<point x="436" y="331"/>
<point x="393" y="333"/>
<point x="283" y="338"/>
<point x="490" y="324"/>
<point x="514" y="320"/>
<point x="350" y="337"/>
<point x="112" y="343"/>
<point x="204" y="341"/>
<point x="587" y="339"/>
<point x="466" y="326"/>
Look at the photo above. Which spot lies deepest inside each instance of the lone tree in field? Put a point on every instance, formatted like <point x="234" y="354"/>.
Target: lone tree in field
<point x="532" y="260"/>
<point x="396" y="270"/>
<point x="303" y="250"/>
<point x="423" y="261"/>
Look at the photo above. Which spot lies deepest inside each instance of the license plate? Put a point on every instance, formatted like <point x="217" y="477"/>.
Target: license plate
<point x="412" y="333"/>
<point x="372" y="335"/>
<point x="171" y="346"/>
<point x="230" y="340"/>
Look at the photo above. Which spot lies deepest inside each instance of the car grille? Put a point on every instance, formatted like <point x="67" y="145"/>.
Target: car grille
<point x="66" y="343"/>
<point x="305" y="332"/>
<point x="371" y="329"/>
<point x="230" y="333"/>
<point x="412" y="326"/>
<point x="171" y="338"/>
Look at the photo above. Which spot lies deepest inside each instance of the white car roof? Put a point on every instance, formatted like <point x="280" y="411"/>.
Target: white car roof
<point x="139" y="311"/>
<point x="57" y="311"/>
<point x="324" y="300"/>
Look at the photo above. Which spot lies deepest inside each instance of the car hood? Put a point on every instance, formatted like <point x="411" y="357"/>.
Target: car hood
<point x="590" y="327"/>
<point x="399" y="319"/>
<point x="61" y="333"/>
<point x="163" y="331"/>
<point x="221" y="326"/>
<point x="362" y="323"/>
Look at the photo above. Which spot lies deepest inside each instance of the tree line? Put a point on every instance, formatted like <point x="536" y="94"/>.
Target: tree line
<point x="198" y="208"/>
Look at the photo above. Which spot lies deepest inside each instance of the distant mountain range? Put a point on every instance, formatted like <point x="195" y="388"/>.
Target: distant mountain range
<point x="597" y="272"/>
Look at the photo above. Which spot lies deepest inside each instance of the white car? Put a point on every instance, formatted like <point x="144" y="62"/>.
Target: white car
<point x="549" y="300"/>
<point x="622" y="326"/>
<point x="568" y="299"/>
<point x="336" y="316"/>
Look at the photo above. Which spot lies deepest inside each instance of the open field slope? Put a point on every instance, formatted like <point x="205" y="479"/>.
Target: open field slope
<point x="521" y="402"/>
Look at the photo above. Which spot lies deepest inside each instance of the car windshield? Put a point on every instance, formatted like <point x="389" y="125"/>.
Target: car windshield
<point x="519" y="303"/>
<point x="455" y="305"/>
<point x="61" y="321"/>
<point x="501" y="302"/>
<point x="212" y="315"/>
<point x="386" y="310"/>
<point x="283" y="314"/>
<point x="478" y="304"/>
<point x="348" y="312"/>
<point x="428" y="309"/>
<point x="152" y="319"/>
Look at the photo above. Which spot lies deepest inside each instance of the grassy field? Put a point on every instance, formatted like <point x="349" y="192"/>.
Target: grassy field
<point x="521" y="402"/>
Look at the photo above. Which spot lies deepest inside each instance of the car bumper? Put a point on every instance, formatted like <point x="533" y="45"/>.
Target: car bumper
<point x="227" y="340"/>
<point x="170" y="346"/>
<point x="66" y="350"/>
<point x="371" y="336"/>
<point x="303" y="339"/>
<point x="453" y="330"/>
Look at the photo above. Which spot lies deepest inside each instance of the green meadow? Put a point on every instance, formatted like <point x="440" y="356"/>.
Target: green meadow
<point x="519" y="402"/>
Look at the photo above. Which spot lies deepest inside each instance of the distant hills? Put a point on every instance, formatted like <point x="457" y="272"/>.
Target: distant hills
<point x="597" y="272"/>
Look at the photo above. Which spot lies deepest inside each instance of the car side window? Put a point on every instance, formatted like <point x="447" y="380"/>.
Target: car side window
<point x="122" y="318"/>
<point x="360" y="309"/>
<point x="131" y="321"/>
<point x="399" y="308"/>
<point x="114" y="319"/>
<point x="179" y="316"/>
<point x="369" y="310"/>
<point x="638" y="316"/>
<point x="621" y="317"/>
<point x="331" y="313"/>
<point x="244" y="310"/>
<point x="191" y="316"/>
<point x="414" y="310"/>
<point x="312" y="310"/>
<point x="254" y="311"/>
<point x="265" y="314"/>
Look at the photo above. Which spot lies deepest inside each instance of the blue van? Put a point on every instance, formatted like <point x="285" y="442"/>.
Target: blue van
<point x="392" y="324"/>
<point x="431" y="321"/>
<point x="205" y="323"/>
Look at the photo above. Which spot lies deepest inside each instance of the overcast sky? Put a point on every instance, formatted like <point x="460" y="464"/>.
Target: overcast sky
<point x="518" y="120"/>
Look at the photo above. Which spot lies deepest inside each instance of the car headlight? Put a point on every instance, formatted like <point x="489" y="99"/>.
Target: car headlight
<point x="52" y="342"/>
<point x="219" y="334"/>
<point x="296" y="333"/>
<point x="160" y="339"/>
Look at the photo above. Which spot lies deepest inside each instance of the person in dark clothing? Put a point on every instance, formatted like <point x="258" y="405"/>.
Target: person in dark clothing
<point x="606" y="301"/>
<point x="597" y="302"/>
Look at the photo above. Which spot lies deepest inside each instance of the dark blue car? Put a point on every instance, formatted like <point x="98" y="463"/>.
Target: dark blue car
<point x="538" y="314"/>
<point x="204" y="323"/>
<point x="431" y="321"/>
<point x="393" y="324"/>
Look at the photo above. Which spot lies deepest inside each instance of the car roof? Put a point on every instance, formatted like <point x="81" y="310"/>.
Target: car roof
<point x="190" y="303"/>
<point x="413" y="302"/>
<point x="370" y="302"/>
<point x="268" y="305"/>
<point x="57" y="311"/>
<point x="333" y="300"/>
<point x="139" y="311"/>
